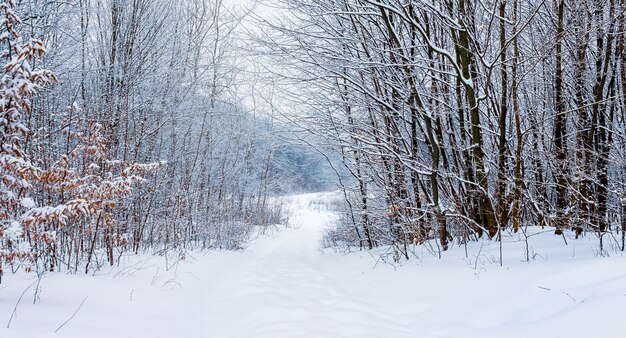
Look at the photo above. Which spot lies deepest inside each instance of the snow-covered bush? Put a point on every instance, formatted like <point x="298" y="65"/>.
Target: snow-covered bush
<point x="70" y="204"/>
<point x="19" y="81"/>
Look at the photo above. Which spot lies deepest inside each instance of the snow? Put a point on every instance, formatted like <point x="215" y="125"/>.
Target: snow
<point x="14" y="231"/>
<point x="28" y="203"/>
<point x="285" y="285"/>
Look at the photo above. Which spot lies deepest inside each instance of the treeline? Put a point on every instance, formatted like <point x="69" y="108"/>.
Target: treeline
<point x="124" y="131"/>
<point x="462" y="119"/>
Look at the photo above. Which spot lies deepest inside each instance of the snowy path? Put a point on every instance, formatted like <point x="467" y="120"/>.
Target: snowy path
<point x="283" y="285"/>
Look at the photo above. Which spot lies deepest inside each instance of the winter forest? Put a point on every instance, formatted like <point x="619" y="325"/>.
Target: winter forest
<point x="326" y="168"/>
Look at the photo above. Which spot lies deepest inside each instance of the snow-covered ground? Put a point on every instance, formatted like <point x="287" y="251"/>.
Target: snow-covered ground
<point x="284" y="285"/>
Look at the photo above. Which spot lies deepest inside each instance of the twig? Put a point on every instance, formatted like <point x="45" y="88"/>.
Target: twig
<point x="568" y="295"/>
<point x="74" y="314"/>
<point x="18" y="303"/>
<point x="40" y="275"/>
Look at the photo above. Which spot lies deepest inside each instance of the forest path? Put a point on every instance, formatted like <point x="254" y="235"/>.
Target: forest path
<point x="284" y="286"/>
